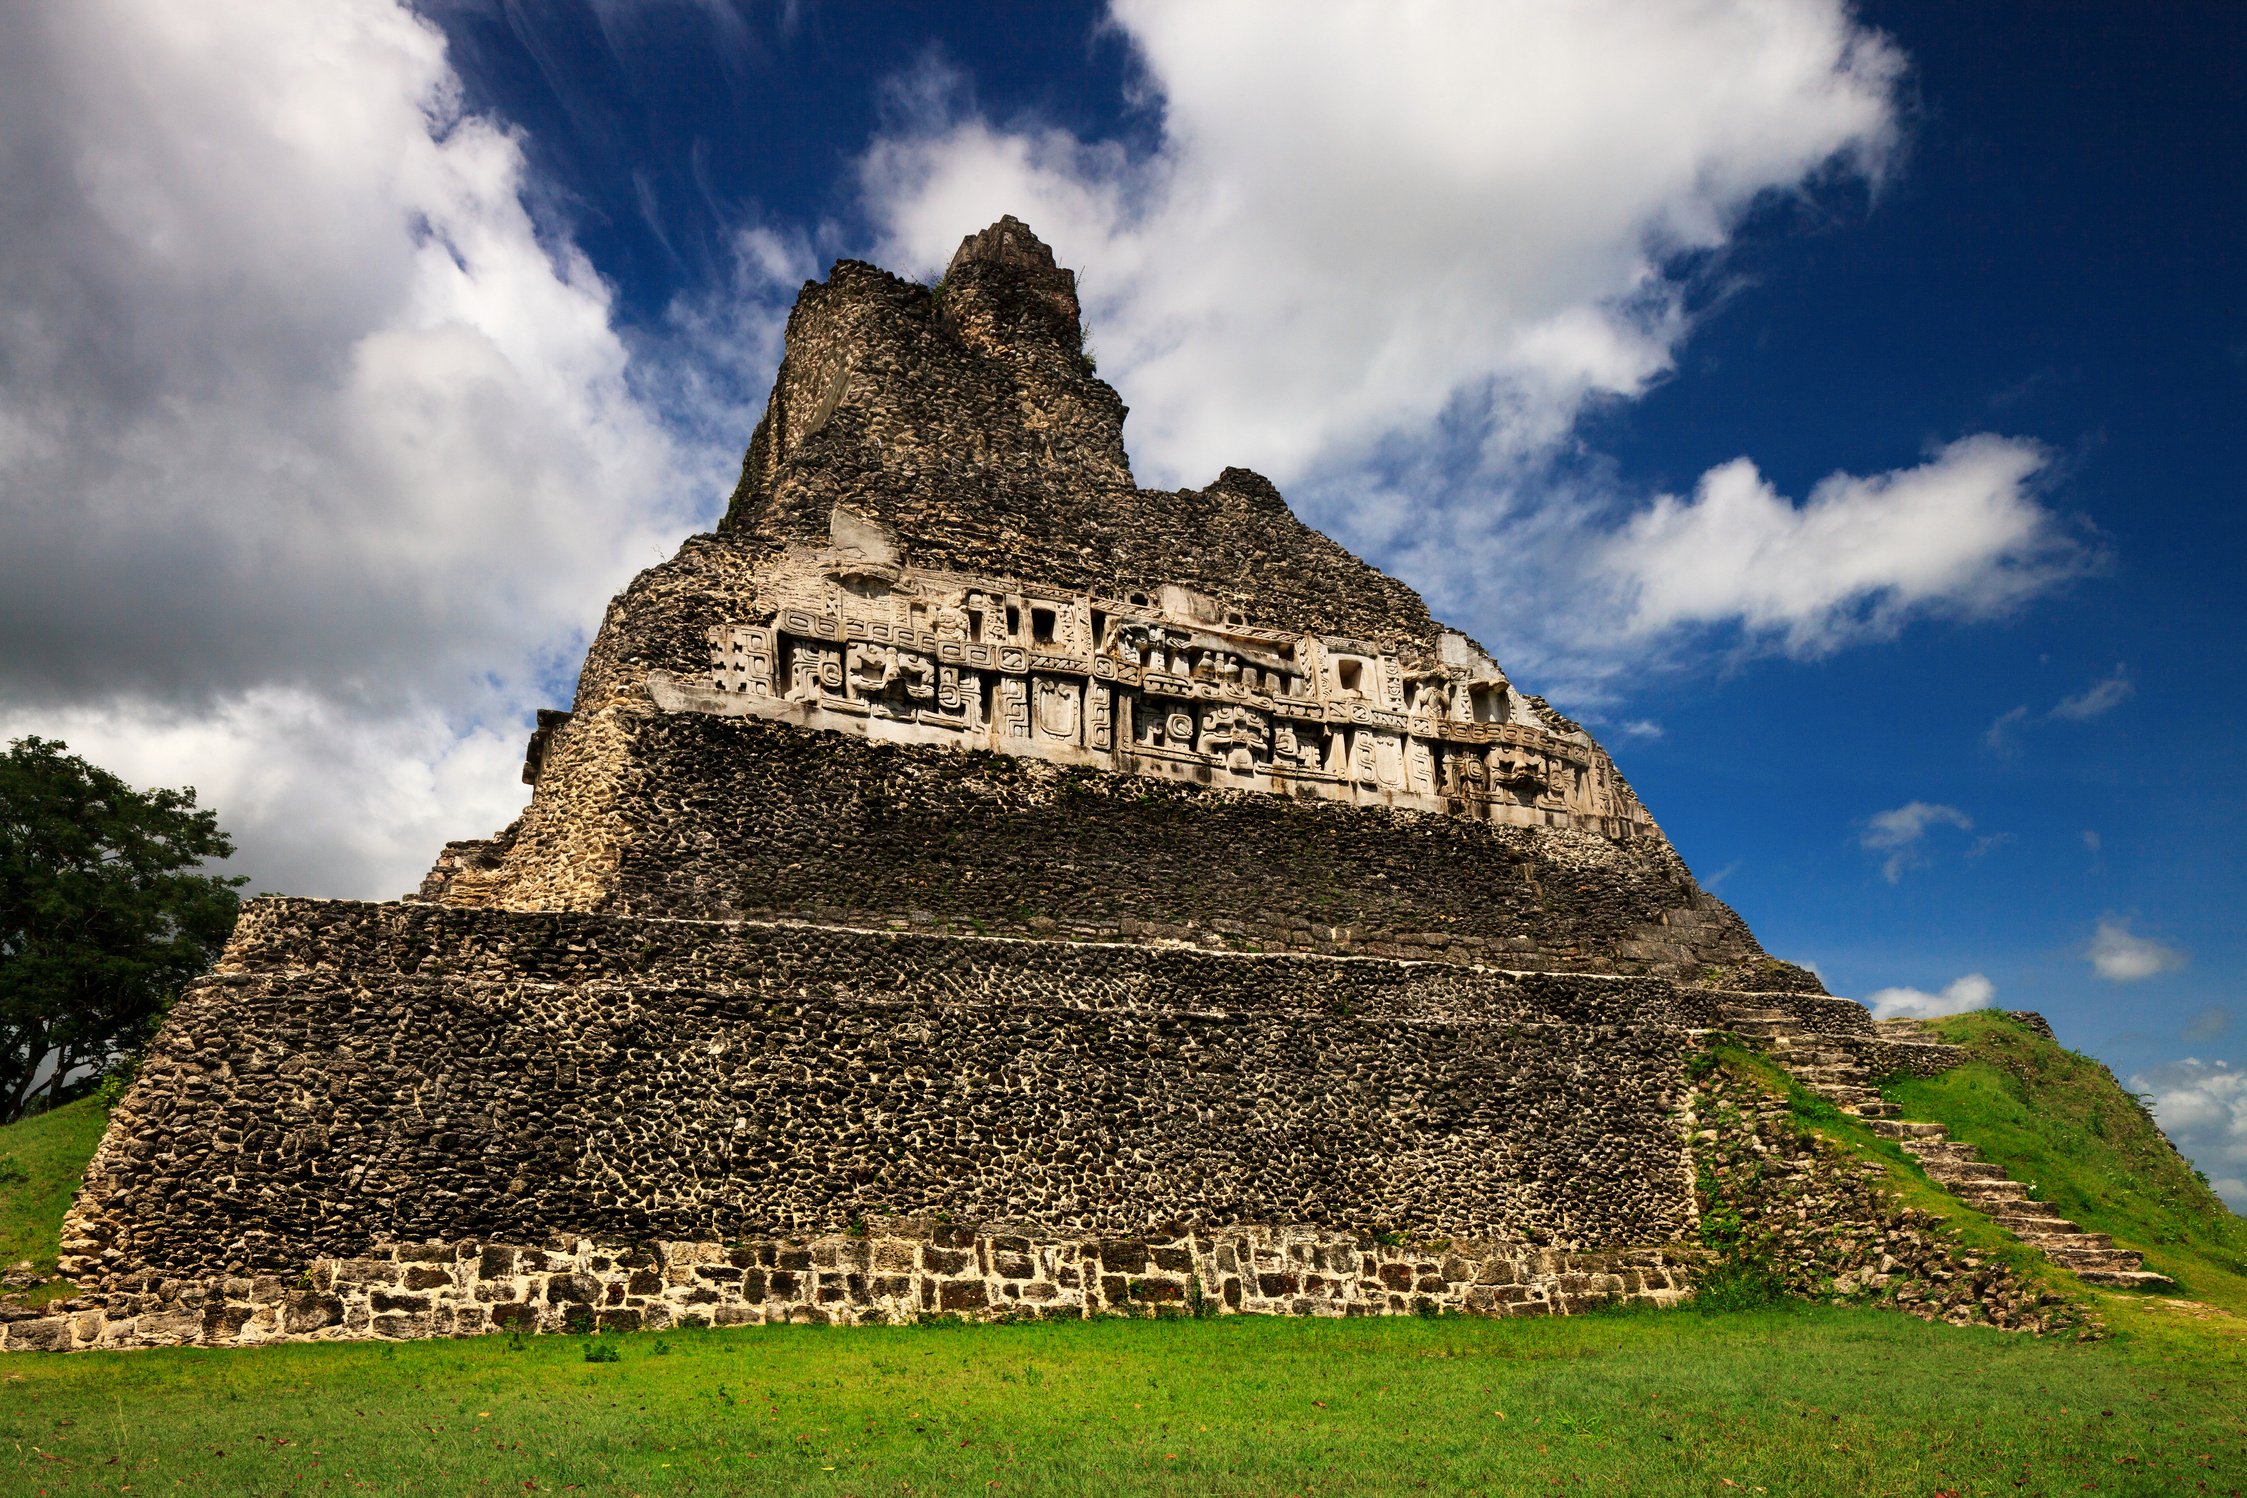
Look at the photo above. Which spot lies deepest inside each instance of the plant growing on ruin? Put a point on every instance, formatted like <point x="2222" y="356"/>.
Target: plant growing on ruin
<point x="107" y="907"/>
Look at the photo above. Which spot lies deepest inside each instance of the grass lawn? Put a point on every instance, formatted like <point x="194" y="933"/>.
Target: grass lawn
<point x="1794" y="1400"/>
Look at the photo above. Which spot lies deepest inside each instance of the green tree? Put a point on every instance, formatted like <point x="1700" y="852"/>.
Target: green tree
<point x="106" y="909"/>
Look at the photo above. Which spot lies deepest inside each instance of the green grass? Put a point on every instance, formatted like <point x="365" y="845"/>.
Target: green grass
<point x="1807" y="1400"/>
<point x="41" y="1159"/>
<point x="2059" y="1123"/>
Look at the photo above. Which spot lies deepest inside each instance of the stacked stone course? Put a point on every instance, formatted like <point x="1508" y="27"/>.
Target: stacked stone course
<point x="887" y="1272"/>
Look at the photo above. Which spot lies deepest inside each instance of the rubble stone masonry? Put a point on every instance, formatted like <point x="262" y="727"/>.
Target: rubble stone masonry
<point x="360" y="1074"/>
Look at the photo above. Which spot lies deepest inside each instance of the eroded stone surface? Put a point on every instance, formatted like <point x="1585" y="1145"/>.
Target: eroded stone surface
<point x="361" y="1073"/>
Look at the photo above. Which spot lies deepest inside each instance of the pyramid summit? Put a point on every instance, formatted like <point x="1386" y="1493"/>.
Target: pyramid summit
<point x="967" y="882"/>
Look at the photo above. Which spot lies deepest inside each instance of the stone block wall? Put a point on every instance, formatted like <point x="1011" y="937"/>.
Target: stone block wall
<point x="358" y="1074"/>
<point x="890" y="1272"/>
<point x="703" y="817"/>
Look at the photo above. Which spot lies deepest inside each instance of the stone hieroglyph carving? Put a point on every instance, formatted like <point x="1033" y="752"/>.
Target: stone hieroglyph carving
<point x="1166" y="682"/>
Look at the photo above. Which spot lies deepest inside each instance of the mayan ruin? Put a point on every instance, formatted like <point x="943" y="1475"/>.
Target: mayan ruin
<point x="967" y="883"/>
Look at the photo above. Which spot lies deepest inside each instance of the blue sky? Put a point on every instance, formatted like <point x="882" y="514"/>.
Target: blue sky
<point x="1838" y="408"/>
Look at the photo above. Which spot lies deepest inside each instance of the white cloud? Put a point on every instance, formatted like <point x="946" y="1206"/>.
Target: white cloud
<point x="1390" y="254"/>
<point x="321" y="799"/>
<point x="2202" y="1107"/>
<point x="2096" y="700"/>
<point x="1970" y="992"/>
<point x="317" y="453"/>
<point x="1360" y="211"/>
<point x="2120" y="955"/>
<point x="1960" y="534"/>
<point x="1900" y="831"/>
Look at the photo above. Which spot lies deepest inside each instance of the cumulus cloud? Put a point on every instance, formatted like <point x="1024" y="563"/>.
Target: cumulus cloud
<point x="1961" y="534"/>
<point x="1356" y="212"/>
<point x="2202" y="1106"/>
<point x="1970" y="992"/>
<point x="317" y="453"/>
<point x="1390" y="255"/>
<point x="1901" y="832"/>
<point x="2120" y="955"/>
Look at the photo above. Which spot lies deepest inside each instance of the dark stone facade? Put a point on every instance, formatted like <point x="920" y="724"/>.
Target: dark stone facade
<point x="365" y="1073"/>
<point x="716" y="818"/>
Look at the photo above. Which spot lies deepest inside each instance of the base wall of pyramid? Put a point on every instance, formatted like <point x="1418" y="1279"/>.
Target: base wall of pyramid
<point x="365" y="1074"/>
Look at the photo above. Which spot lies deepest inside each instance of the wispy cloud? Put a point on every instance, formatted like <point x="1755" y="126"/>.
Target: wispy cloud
<point x="2211" y="1023"/>
<point x="2096" y="700"/>
<point x="1970" y="992"/>
<point x="2120" y="955"/>
<point x="1901" y="831"/>
<point x="2003" y="736"/>
<point x="1961" y="534"/>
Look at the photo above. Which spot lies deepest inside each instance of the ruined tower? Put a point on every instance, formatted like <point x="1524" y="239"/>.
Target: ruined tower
<point x="970" y="882"/>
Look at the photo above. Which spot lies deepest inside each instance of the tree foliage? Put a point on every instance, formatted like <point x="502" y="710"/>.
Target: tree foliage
<point x="106" y="909"/>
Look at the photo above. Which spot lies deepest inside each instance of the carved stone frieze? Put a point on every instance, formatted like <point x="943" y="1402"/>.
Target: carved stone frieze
<point x="1166" y="683"/>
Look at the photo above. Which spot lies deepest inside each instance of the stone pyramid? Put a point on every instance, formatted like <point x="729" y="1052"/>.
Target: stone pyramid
<point x="965" y="882"/>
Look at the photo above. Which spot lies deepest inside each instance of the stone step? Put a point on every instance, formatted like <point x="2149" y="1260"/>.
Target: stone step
<point x="2071" y="1238"/>
<point x="2104" y="1255"/>
<point x="2126" y="1279"/>
<point x="1983" y="1192"/>
<point x="2022" y="1224"/>
<point x="1882" y="1109"/>
<point x="1953" y="1170"/>
<point x="1903" y="1128"/>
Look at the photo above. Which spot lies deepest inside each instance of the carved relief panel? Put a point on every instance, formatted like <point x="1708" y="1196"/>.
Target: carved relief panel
<point x="875" y="646"/>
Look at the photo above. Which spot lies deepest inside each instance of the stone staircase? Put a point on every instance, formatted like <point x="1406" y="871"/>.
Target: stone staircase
<point x="1959" y="1169"/>
<point x="1829" y="1069"/>
<point x="1833" y="1071"/>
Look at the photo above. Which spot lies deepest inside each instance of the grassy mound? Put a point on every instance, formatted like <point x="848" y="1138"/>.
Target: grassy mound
<point x="2063" y="1126"/>
<point x="41" y="1161"/>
